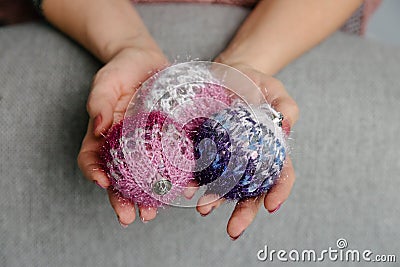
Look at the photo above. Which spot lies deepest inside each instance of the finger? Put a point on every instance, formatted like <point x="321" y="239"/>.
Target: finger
<point x="101" y="104"/>
<point x="89" y="161"/>
<point x="125" y="210"/>
<point x="190" y="189"/>
<point x="281" y="190"/>
<point x="121" y="77"/>
<point x="275" y="94"/>
<point x="243" y="215"/>
<point x="147" y="213"/>
<point x="207" y="203"/>
<point x="105" y="98"/>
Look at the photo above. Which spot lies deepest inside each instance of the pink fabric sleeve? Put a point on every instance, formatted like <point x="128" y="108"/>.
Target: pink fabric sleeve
<point x="369" y="9"/>
<point x="357" y="23"/>
<point x="230" y="2"/>
<point x="15" y="11"/>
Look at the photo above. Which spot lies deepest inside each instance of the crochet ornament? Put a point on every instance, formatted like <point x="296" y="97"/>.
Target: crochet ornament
<point x="195" y="122"/>
<point x="141" y="165"/>
<point x="250" y="151"/>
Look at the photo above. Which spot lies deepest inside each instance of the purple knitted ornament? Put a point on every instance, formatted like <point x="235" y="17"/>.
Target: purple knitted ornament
<point x="148" y="159"/>
<point x="246" y="148"/>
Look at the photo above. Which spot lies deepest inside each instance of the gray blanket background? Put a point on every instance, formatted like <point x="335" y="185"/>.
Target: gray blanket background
<point x="345" y="150"/>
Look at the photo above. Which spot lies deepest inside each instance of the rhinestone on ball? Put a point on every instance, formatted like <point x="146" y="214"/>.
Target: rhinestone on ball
<point x="162" y="186"/>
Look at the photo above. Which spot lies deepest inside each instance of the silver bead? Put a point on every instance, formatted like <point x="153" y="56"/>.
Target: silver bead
<point x="162" y="186"/>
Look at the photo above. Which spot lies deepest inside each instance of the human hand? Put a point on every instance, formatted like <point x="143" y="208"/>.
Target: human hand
<point x="112" y="89"/>
<point x="246" y="210"/>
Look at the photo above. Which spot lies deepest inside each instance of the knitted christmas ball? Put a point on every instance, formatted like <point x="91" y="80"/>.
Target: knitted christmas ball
<point x="147" y="159"/>
<point x="183" y="91"/>
<point x="248" y="153"/>
<point x="195" y="121"/>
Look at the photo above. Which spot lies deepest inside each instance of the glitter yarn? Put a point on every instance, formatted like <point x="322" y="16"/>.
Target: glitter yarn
<point x="184" y="92"/>
<point x="140" y="153"/>
<point x="248" y="152"/>
<point x="192" y="121"/>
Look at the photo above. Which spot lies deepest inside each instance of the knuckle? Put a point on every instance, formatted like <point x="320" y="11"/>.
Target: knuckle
<point x="79" y="160"/>
<point x="89" y="103"/>
<point x="275" y="83"/>
<point x="104" y="73"/>
<point x="295" y="109"/>
<point x="276" y="102"/>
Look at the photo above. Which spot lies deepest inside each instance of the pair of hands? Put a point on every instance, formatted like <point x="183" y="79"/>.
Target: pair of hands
<point x="112" y="89"/>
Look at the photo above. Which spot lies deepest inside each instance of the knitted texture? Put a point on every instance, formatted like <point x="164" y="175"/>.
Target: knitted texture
<point x="184" y="91"/>
<point x="248" y="152"/>
<point x="143" y="152"/>
<point x="183" y="124"/>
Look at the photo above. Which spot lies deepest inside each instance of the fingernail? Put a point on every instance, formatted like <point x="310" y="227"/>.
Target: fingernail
<point x="96" y="123"/>
<point x="286" y="127"/>
<point x="143" y="220"/>
<point x="274" y="210"/>
<point x="99" y="185"/>
<point x="188" y="195"/>
<point x="204" y="215"/>
<point x="234" y="238"/>
<point x="122" y="224"/>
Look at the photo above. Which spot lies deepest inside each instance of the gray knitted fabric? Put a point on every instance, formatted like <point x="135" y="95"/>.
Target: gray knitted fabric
<point x="345" y="150"/>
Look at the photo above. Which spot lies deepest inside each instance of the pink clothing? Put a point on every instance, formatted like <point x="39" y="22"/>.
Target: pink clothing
<point x="356" y="24"/>
<point x="231" y="2"/>
<point x="370" y="7"/>
<point x="14" y="11"/>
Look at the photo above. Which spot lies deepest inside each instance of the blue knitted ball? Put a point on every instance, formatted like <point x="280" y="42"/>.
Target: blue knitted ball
<point x="240" y="151"/>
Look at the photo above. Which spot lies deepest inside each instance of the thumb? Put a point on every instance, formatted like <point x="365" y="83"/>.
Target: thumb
<point x="115" y="84"/>
<point x="101" y="103"/>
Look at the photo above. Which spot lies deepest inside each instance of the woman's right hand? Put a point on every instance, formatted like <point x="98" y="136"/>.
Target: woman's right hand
<point x="112" y="89"/>
<point x="114" y="33"/>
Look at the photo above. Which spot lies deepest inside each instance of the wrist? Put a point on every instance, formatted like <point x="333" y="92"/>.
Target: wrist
<point x="139" y="42"/>
<point x="123" y="29"/>
<point x="238" y="57"/>
<point x="103" y="27"/>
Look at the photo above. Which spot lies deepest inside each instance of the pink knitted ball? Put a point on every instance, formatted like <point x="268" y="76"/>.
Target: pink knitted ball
<point x="148" y="159"/>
